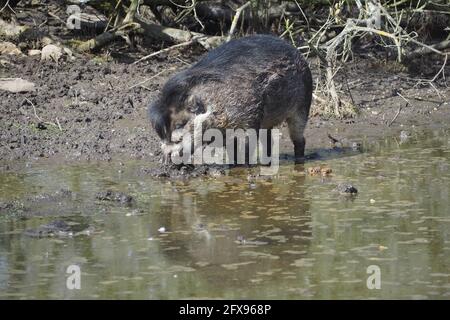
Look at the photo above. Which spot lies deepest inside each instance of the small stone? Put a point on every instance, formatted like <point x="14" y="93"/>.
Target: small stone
<point x="9" y="48"/>
<point x="46" y="40"/>
<point x="240" y="239"/>
<point x="372" y="201"/>
<point x="68" y="51"/>
<point x="51" y="52"/>
<point x="314" y="170"/>
<point x="345" y="188"/>
<point x="326" y="171"/>
<point x="356" y="146"/>
<point x="41" y="126"/>
<point x="16" y="85"/>
<point x="404" y="135"/>
<point x="34" y="52"/>
<point x="114" y="196"/>
<point x="162" y="230"/>
<point x="10" y="29"/>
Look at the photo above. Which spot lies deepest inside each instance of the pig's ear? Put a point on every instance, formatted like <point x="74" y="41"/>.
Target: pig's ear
<point x="195" y="105"/>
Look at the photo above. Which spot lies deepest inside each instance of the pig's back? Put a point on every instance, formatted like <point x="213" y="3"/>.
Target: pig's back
<point x="253" y="52"/>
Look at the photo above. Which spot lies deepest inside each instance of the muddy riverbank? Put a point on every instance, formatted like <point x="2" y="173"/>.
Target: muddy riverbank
<point x="93" y="109"/>
<point x="291" y="236"/>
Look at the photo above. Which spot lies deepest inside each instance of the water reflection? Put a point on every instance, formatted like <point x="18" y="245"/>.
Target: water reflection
<point x="238" y="236"/>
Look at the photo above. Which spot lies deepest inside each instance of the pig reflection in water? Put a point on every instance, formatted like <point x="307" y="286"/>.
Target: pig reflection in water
<point x="255" y="82"/>
<point x="208" y="228"/>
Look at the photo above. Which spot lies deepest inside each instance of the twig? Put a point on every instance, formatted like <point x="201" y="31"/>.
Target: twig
<point x="59" y="125"/>
<point x="348" y="87"/>
<point x="43" y="23"/>
<point x="395" y="117"/>
<point x="34" y="109"/>
<point x="428" y="48"/>
<point x="441" y="70"/>
<point x="11" y="8"/>
<point x="236" y="19"/>
<point x="196" y="16"/>
<point x="131" y="11"/>
<point x="400" y="95"/>
<point x="40" y="119"/>
<point x="51" y="14"/>
<point x="333" y="140"/>
<point x="183" y="44"/>
<point x="146" y="88"/>
<point x="182" y="61"/>
<point x="6" y="5"/>
<point x="116" y="13"/>
<point x="303" y="14"/>
<point x="148" y="79"/>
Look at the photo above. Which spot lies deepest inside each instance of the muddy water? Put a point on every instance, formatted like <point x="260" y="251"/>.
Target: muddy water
<point x="289" y="237"/>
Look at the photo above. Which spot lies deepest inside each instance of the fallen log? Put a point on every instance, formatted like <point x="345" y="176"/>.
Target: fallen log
<point x="153" y="31"/>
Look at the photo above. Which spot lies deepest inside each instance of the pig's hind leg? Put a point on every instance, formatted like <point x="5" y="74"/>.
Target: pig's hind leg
<point x="296" y="124"/>
<point x="298" y="118"/>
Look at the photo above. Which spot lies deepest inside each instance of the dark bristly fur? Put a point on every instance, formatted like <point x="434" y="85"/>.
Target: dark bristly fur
<point x="253" y="82"/>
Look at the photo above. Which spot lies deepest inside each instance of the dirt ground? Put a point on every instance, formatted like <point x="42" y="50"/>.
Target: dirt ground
<point x="93" y="107"/>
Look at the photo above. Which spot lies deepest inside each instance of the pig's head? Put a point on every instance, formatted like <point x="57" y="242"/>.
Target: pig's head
<point x="169" y="117"/>
<point x="172" y="116"/>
